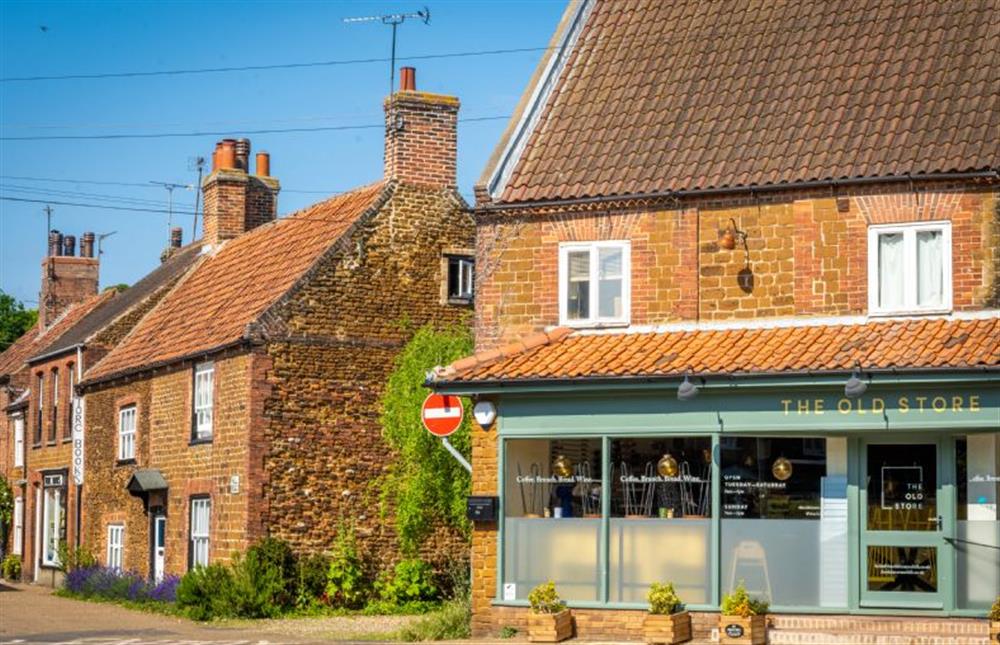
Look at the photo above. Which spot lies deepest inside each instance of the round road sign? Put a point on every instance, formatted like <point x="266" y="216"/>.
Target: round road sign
<point x="442" y="414"/>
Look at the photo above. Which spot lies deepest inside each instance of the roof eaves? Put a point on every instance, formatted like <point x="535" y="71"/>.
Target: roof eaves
<point x="150" y="367"/>
<point x="529" y="110"/>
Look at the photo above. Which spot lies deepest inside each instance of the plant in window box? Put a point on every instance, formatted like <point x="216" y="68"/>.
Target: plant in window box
<point x="743" y="620"/>
<point x="995" y="621"/>
<point x="667" y="621"/>
<point x="550" y="621"/>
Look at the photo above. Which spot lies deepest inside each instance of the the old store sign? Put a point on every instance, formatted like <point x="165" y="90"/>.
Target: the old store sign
<point x="904" y="404"/>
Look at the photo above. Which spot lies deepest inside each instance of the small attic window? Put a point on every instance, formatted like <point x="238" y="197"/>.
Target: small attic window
<point x="461" y="275"/>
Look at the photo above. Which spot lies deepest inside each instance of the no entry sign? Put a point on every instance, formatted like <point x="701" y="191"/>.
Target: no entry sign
<point x="442" y="414"/>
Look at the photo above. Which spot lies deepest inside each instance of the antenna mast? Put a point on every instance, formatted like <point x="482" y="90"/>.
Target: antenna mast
<point x="394" y="19"/>
<point x="196" y="163"/>
<point x="170" y="200"/>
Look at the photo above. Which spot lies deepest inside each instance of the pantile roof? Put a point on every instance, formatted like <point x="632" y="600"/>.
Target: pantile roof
<point x="16" y="356"/>
<point x="911" y="344"/>
<point x="233" y="285"/>
<point x="689" y="95"/>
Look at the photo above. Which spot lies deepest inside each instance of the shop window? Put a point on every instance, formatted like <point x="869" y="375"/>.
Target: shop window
<point x="784" y="519"/>
<point x="977" y="543"/>
<point x="461" y="275"/>
<point x="661" y="508"/>
<point x="116" y="546"/>
<point x="199" y="531"/>
<point x="204" y="389"/>
<point x="552" y="517"/>
<point x="902" y="487"/>
<point x="594" y="283"/>
<point x="126" y="433"/>
<point x="53" y="518"/>
<point x="909" y="268"/>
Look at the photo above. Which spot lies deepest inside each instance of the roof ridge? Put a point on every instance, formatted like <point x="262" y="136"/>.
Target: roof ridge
<point x="510" y="350"/>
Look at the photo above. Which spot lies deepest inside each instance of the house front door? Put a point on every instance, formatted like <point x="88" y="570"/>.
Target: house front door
<point x="159" y="541"/>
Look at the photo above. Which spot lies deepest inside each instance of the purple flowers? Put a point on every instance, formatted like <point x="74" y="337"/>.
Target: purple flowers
<point x="112" y="584"/>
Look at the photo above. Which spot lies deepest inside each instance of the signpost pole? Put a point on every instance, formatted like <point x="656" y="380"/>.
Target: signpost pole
<point x="456" y="454"/>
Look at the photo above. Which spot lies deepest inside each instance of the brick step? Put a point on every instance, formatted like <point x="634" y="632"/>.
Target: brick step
<point x="813" y="637"/>
<point x="889" y="625"/>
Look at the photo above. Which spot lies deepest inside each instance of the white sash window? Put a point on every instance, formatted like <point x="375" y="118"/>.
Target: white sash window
<point x="909" y="268"/>
<point x="594" y="283"/>
<point x="116" y="546"/>
<point x="204" y="387"/>
<point x="126" y="433"/>
<point x="201" y="508"/>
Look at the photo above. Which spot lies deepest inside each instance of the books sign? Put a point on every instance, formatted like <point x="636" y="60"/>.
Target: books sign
<point x="78" y="414"/>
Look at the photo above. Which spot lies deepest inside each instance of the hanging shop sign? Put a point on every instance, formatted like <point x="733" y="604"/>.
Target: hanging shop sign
<point x="78" y="452"/>
<point x="442" y="414"/>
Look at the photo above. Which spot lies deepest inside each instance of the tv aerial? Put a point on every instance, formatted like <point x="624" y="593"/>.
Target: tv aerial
<point x="394" y="20"/>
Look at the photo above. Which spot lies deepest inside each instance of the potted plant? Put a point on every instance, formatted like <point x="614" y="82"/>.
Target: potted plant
<point x="995" y="621"/>
<point x="667" y="622"/>
<point x="549" y="621"/>
<point x="743" y="620"/>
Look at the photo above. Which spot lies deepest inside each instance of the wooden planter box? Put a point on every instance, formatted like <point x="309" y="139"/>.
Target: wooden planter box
<point x="736" y="630"/>
<point x="659" y="629"/>
<point x="550" y="628"/>
<point x="995" y="631"/>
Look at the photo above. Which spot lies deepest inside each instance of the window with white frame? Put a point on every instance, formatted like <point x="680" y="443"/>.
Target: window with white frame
<point x="40" y="408"/>
<point x="53" y="518"/>
<point x="204" y="380"/>
<point x="18" y="526"/>
<point x="53" y="429"/>
<point x="909" y="268"/>
<point x="461" y="272"/>
<point x="201" y="510"/>
<point x="116" y="546"/>
<point x="126" y="433"/>
<point x="71" y="395"/>
<point x="594" y="283"/>
<point x="18" y="442"/>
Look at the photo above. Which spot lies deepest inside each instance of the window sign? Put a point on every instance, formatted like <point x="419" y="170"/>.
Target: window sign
<point x="902" y="568"/>
<point x="902" y="487"/>
<point x="772" y="478"/>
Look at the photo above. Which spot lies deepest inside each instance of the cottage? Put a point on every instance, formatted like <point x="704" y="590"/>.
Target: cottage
<point x="246" y="403"/>
<point x="737" y="311"/>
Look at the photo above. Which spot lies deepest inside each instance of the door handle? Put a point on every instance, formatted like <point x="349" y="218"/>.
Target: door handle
<point x="939" y="522"/>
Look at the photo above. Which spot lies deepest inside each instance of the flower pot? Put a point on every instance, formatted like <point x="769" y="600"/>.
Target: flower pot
<point x="995" y="631"/>
<point x="736" y="630"/>
<point x="550" y="628"/>
<point x="667" y="628"/>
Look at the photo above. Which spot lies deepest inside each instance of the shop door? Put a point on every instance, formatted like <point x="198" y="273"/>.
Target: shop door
<point x="159" y="543"/>
<point x="902" y="533"/>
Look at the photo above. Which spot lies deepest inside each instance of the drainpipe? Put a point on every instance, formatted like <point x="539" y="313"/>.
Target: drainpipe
<point x="79" y="487"/>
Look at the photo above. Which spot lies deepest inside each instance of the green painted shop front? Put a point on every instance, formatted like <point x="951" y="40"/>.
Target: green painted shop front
<point x="884" y="503"/>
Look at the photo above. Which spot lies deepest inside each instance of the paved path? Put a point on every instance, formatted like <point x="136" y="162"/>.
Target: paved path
<point x="31" y="614"/>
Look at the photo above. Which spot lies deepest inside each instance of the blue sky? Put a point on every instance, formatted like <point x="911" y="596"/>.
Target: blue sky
<point x="61" y="38"/>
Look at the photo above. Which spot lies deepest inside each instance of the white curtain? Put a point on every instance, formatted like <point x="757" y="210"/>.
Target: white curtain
<point x="890" y="270"/>
<point x="930" y="274"/>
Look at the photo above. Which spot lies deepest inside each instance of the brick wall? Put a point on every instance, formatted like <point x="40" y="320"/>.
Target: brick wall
<point x="66" y="280"/>
<point x="421" y="138"/>
<point x="236" y="202"/>
<point x="806" y="255"/>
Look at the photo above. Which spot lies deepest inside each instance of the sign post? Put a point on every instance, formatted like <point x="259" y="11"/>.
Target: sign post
<point x="442" y="415"/>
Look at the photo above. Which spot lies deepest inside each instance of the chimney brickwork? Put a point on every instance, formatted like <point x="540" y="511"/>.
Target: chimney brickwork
<point x="235" y="201"/>
<point x="421" y="136"/>
<point x="66" y="280"/>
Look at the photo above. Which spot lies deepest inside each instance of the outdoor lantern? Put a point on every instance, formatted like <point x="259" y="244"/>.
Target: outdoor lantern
<point x="485" y="412"/>
<point x="781" y="468"/>
<point x="687" y="390"/>
<point x="728" y="239"/>
<point x="562" y="466"/>
<point x="667" y="466"/>
<point x="855" y="387"/>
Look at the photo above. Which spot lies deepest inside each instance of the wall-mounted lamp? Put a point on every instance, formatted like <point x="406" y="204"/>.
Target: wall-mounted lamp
<point x="485" y="413"/>
<point x="687" y="390"/>
<point x="728" y="239"/>
<point x="855" y="386"/>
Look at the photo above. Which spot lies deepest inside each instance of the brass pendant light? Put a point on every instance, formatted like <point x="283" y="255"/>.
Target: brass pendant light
<point x="667" y="466"/>
<point x="781" y="469"/>
<point x="562" y="466"/>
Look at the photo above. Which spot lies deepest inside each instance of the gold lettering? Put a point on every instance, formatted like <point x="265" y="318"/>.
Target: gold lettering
<point x="974" y="403"/>
<point x="844" y="406"/>
<point x="904" y="404"/>
<point x="920" y="401"/>
<point x="786" y="403"/>
<point x="818" y="406"/>
<point x="802" y="406"/>
<point x="861" y="407"/>
<point x="939" y="404"/>
<point x="956" y="404"/>
<point x="878" y="406"/>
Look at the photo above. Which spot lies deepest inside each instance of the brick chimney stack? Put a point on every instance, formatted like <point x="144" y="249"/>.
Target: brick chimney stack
<point x="236" y="201"/>
<point x="421" y="135"/>
<point x="66" y="278"/>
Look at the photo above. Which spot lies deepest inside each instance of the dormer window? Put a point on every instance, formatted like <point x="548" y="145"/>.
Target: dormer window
<point x="909" y="268"/>
<point x="594" y="283"/>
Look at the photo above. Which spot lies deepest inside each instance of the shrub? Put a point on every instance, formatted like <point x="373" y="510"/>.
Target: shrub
<point x="451" y="622"/>
<point x="258" y="586"/>
<point x="311" y="580"/>
<point x="410" y="581"/>
<point x="346" y="582"/>
<point x="663" y="599"/>
<point x="165" y="590"/>
<point x="508" y="632"/>
<point x="111" y="584"/>
<point x="995" y="610"/>
<point x="276" y="553"/>
<point x="545" y="600"/>
<point x="205" y="592"/>
<point x="11" y="567"/>
<point x="740" y="603"/>
<point x="72" y="558"/>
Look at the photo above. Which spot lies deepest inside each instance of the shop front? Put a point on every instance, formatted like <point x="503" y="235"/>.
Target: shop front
<point x="885" y="502"/>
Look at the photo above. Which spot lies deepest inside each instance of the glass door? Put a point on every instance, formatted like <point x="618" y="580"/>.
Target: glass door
<point x="902" y="531"/>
